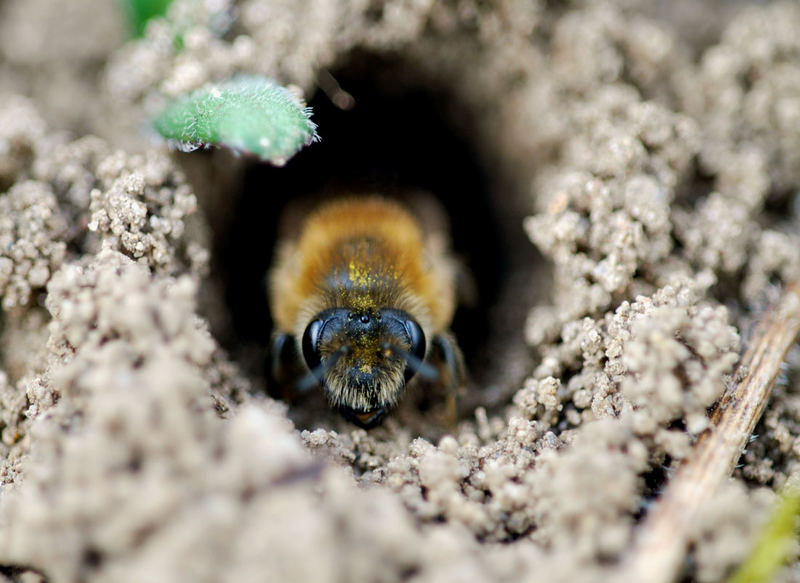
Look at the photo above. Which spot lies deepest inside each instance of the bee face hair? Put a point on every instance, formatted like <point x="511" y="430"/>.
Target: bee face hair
<point x="364" y="358"/>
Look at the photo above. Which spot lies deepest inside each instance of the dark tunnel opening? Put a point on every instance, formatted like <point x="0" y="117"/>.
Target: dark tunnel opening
<point x="396" y="138"/>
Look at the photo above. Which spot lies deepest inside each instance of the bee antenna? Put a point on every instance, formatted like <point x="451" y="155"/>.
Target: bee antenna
<point x="422" y="368"/>
<point x="312" y="378"/>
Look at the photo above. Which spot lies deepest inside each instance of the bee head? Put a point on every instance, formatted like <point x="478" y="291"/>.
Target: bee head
<point x="364" y="358"/>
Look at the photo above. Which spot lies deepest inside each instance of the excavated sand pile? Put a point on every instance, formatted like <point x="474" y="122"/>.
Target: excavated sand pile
<point x="659" y="161"/>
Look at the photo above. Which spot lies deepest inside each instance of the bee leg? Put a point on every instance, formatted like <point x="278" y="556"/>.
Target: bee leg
<point x="453" y="376"/>
<point x="283" y="366"/>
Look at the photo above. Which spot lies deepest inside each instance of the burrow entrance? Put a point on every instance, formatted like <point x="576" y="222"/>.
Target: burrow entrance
<point x="398" y="136"/>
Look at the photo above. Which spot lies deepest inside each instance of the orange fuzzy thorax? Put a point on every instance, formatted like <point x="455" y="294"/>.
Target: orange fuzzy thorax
<point x="361" y="253"/>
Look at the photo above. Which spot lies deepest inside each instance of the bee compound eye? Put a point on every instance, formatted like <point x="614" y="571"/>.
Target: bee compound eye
<point x="311" y="338"/>
<point x="417" y="339"/>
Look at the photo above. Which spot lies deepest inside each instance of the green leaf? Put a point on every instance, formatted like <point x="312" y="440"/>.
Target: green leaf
<point x="247" y="113"/>
<point x="140" y="12"/>
<point x="774" y="543"/>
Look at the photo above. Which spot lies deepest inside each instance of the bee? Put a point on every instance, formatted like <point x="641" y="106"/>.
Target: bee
<point x="367" y="298"/>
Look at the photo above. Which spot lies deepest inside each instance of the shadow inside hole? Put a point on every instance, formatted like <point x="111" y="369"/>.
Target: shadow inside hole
<point x="392" y="140"/>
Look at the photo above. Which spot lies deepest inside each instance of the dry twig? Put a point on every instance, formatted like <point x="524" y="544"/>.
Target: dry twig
<point x="660" y="547"/>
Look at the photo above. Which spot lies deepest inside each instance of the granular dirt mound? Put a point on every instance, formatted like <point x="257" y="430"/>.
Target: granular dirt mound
<point x="650" y="157"/>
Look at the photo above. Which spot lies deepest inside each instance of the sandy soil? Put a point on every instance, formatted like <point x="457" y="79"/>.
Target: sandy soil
<point x="649" y="151"/>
